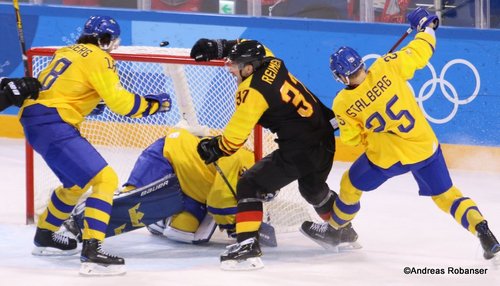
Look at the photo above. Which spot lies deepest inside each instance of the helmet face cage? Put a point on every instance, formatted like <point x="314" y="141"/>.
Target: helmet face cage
<point x="246" y="52"/>
<point x="345" y="62"/>
<point x="98" y="26"/>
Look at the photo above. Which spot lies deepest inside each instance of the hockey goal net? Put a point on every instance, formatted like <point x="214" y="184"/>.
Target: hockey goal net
<point x="202" y="96"/>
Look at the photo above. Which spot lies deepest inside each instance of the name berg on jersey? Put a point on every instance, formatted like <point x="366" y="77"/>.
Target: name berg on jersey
<point x="271" y="71"/>
<point x="371" y="95"/>
<point x="81" y="49"/>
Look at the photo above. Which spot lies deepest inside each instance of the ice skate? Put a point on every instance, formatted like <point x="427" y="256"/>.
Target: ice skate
<point x="96" y="262"/>
<point x="330" y="238"/>
<point x="49" y="243"/>
<point x="488" y="241"/>
<point x="71" y="226"/>
<point x="242" y="256"/>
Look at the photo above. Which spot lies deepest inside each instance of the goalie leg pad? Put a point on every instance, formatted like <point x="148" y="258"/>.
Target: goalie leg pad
<point x="143" y="206"/>
<point x="202" y="234"/>
<point x="178" y="235"/>
<point x="205" y="230"/>
<point x="157" y="228"/>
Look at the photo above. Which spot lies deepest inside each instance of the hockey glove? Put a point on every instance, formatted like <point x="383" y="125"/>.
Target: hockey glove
<point x="163" y="100"/>
<point x="209" y="149"/>
<point x="419" y="19"/>
<point x="206" y="50"/>
<point x="18" y="90"/>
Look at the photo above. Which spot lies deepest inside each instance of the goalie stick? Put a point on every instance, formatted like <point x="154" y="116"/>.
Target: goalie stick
<point x="267" y="233"/>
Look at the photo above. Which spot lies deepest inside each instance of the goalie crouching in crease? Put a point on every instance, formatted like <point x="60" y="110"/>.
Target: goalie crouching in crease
<point x="173" y="193"/>
<point x="74" y="82"/>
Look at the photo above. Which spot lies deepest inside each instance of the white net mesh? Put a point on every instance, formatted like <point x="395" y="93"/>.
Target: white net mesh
<point x="202" y="95"/>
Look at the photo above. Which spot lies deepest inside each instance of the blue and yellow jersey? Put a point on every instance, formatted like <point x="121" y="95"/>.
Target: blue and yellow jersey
<point x="382" y="113"/>
<point x="198" y="180"/>
<point x="221" y="203"/>
<point x="78" y="78"/>
<point x="195" y="177"/>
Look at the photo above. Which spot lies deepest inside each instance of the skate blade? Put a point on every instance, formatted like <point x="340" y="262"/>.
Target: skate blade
<point x="496" y="261"/>
<point x="242" y="265"/>
<point x="95" y="269"/>
<point x="493" y="255"/>
<point x="346" y="246"/>
<point x="51" y="251"/>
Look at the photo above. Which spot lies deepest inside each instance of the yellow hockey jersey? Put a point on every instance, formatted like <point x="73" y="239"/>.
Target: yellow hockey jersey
<point x="382" y="113"/>
<point x="199" y="181"/>
<point x="76" y="80"/>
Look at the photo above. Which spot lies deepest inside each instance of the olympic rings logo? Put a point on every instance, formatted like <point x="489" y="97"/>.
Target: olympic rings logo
<point x="444" y="85"/>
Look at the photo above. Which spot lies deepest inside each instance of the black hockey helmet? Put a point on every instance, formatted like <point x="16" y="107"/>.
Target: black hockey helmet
<point x="247" y="52"/>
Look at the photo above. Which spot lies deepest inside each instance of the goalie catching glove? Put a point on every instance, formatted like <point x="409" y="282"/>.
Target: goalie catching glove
<point x="17" y="90"/>
<point x="209" y="149"/>
<point x="163" y="99"/>
<point x="419" y="19"/>
<point x="206" y="50"/>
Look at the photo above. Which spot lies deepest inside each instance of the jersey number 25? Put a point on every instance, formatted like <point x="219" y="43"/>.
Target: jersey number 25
<point x="393" y="116"/>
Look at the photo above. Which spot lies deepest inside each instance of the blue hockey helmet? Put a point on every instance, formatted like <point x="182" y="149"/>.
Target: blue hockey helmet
<point x="345" y="62"/>
<point x="99" y="26"/>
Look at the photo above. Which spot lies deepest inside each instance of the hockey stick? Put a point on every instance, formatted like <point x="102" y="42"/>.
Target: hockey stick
<point x="400" y="40"/>
<point x="21" y="36"/>
<point x="30" y="208"/>
<point x="267" y="234"/>
<point x="219" y="170"/>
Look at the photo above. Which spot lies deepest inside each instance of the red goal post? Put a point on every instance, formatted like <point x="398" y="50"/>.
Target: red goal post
<point x="202" y="97"/>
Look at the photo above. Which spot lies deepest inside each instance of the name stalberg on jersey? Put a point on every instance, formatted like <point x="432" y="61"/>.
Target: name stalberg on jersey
<point x="375" y="92"/>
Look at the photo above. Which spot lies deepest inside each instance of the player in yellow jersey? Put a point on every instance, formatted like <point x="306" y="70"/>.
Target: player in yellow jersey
<point x="13" y="91"/>
<point x="378" y="110"/>
<point x="194" y="200"/>
<point x="76" y="80"/>
<point x="269" y="95"/>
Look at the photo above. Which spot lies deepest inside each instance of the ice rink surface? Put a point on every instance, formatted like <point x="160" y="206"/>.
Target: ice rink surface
<point x="397" y="229"/>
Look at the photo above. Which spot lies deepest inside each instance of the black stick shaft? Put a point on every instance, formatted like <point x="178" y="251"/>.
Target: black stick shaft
<point x="400" y="40"/>
<point x="20" y="34"/>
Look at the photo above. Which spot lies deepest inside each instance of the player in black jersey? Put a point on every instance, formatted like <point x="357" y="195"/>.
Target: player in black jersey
<point x="269" y="95"/>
